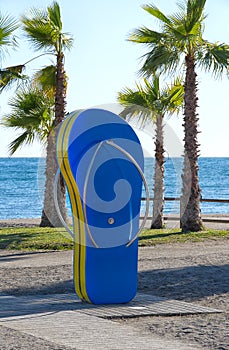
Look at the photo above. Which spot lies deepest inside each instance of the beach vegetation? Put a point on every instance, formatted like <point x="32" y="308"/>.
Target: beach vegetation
<point x="150" y="101"/>
<point x="180" y="46"/>
<point x="163" y="236"/>
<point x="47" y="238"/>
<point x="34" y="238"/>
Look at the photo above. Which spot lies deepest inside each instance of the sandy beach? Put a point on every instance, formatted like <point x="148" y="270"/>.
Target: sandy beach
<point x="211" y="221"/>
<point x="193" y="272"/>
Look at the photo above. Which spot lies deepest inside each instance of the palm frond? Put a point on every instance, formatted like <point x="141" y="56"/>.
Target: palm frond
<point x="191" y="14"/>
<point x="145" y="36"/>
<point x="25" y="138"/>
<point x="148" y="101"/>
<point x="20" y="121"/>
<point x="7" y="26"/>
<point x="179" y="16"/>
<point x="7" y="39"/>
<point x="45" y="79"/>
<point x="174" y="97"/>
<point x="172" y="26"/>
<point x="128" y="97"/>
<point x="12" y="75"/>
<point x="38" y="31"/>
<point x="67" y="41"/>
<point x="181" y="34"/>
<point x="160" y="58"/>
<point x="214" y="57"/>
<point x="151" y="90"/>
<point x="44" y="29"/>
<point x="55" y="16"/>
<point x="136" y="110"/>
<point x="194" y="14"/>
<point x="31" y="111"/>
<point x="135" y="104"/>
<point x="154" y="11"/>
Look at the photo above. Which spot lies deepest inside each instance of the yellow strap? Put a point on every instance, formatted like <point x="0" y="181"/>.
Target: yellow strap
<point x="77" y="209"/>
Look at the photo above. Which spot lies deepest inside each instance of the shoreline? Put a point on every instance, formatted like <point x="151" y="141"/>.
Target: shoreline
<point x="171" y="221"/>
<point x="22" y="222"/>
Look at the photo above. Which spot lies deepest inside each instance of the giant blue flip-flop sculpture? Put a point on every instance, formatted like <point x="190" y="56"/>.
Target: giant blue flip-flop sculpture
<point x="101" y="160"/>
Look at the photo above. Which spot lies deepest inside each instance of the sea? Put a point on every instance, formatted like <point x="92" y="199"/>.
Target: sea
<point x="22" y="185"/>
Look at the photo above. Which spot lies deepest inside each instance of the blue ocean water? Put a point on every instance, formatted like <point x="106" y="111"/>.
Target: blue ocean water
<point x="22" y="183"/>
<point x="213" y="179"/>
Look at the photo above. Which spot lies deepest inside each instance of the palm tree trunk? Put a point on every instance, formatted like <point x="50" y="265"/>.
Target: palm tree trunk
<point x="50" y="217"/>
<point x="190" y="199"/>
<point x="49" y="214"/>
<point x="158" y="203"/>
<point x="60" y="96"/>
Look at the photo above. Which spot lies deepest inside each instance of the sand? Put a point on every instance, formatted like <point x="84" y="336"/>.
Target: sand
<point x="194" y="272"/>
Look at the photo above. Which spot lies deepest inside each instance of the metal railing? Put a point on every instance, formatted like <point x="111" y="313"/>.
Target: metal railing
<point x="206" y="219"/>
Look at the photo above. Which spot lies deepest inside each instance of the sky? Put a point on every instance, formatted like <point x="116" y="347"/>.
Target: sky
<point x="102" y="62"/>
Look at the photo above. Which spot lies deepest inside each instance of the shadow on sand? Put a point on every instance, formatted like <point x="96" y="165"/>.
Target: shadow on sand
<point x="189" y="283"/>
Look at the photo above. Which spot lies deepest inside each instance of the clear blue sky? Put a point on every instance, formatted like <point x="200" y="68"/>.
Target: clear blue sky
<point x="102" y="62"/>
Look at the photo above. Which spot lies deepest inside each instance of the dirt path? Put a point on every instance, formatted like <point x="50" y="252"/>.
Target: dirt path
<point x="195" y="272"/>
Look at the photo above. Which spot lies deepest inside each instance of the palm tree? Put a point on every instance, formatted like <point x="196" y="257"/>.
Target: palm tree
<point x="151" y="102"/>
<point x="44" y="30"/>
<point x="179" y="44"/>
